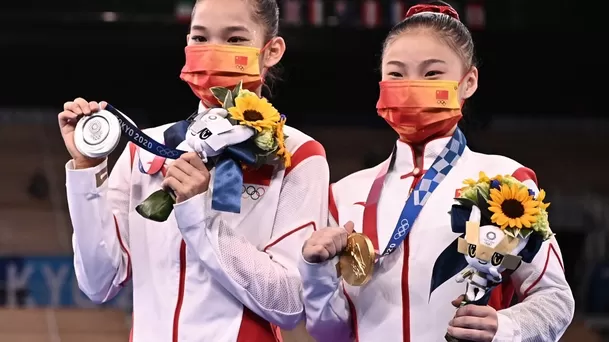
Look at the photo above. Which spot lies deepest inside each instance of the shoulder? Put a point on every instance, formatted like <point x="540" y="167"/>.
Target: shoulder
<point x="296" y="141"/>
<point x="302" y="147"/>
<point x="355" y="186"/>
<point x="493" y="165"/>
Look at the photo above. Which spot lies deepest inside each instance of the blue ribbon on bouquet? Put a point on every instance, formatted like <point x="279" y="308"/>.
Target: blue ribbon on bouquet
<point x="228" y="180"/>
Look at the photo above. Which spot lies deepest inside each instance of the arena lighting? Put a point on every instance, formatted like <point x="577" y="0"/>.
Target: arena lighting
<point x="109" y="16"/>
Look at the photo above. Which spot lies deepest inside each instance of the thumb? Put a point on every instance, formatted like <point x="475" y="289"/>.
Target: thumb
<point x="457" y="302"/>
<point x="349" y="226"/>
<point x="103" y="104"/>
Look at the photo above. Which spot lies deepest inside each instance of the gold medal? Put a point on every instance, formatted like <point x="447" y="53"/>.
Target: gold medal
<point x="356" y="262"/>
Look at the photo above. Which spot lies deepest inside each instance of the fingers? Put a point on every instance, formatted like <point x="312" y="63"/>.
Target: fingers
<point x="176" y="170"/>
<point x="81" y="106"/>
<point x="340" y="240"/>
<point x="175" y="185"/>
<point x="349" y="226"/>
<point x="457" y="302"/>
<point x="470" y="335"/>
<point x="475" y="323"/>
<point x="316" y="253"/>
<point x="475" y="311"/>
<point x="194" y="160"/>
<point x="66" y="117"/>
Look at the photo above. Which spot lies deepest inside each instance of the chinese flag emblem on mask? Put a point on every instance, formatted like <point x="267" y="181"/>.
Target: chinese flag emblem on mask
<point x="441" y="94"/>
<point x="241" y="60"/>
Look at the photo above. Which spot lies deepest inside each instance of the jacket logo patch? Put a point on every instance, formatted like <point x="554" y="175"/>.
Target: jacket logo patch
<point x="252" y="191"/>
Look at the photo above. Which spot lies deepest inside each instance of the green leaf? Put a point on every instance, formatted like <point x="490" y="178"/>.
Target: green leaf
<point x="525" y="232"/>
<point x="157" y="206"/>
<point x="237" y="89"/>
<point x="228" y="101"/>
<point x="219" y="93"/>
<point x="232" y="121"/>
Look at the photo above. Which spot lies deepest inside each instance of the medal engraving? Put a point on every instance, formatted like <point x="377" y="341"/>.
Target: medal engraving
<point x="356" y="262"/>
<point x="96" y="130"/>
<point x="97" y="135"/>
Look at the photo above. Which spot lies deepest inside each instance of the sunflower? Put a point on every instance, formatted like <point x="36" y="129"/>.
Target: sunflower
<point x="540" y="198"/>
<point x="282" y="151"/>
<point x="482" y="178"/>
<point x="255" y="112"/>
<point x="513" y="207"/>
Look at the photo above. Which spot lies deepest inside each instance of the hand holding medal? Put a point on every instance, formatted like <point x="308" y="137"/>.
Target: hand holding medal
<point x="355" y="251"/>
<point x="71" y="122"/>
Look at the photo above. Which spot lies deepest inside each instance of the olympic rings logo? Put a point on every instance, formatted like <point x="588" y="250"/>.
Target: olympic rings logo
<point x="240" y="67"/>
<point x="442" y="102"/>
<point x="402" y="229"/>
<point x="253" y="192"/>
<point x="167" y="152"/>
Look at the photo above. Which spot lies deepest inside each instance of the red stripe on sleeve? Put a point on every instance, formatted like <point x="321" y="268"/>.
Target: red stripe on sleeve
<point x="551" y="251"/>
<point x="309" y="149"/>
<point x="524" y="173"/>
<point x="120" y="241"/>
<point x="132" y="150"/>
<point x="278" y="240"/>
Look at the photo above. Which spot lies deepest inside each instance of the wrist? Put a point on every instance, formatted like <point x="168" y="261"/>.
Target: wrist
<point x="86" y="163"/>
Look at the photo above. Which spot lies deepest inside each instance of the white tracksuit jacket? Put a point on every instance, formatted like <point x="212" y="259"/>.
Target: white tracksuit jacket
<point x="203" y="275"/>
<point x="398" y="304"/>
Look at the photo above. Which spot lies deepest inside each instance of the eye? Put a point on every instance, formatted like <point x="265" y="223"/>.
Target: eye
<point x="198" y="39"/>
<point x="237" y="39"/>
<point x="496" y="259"/>
<point x="395" y="74"/>
<point x="471" y="250"/>
<point x="433" y="73"/>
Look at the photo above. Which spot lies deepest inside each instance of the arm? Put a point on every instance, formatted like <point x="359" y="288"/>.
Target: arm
<point x="99" y="211"/>
<point x="327" y="309"/>
<point x="267" y="282"/>
<point x="548" y="305"/>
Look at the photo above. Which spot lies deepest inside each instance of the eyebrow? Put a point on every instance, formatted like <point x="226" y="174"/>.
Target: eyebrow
<point x="397" y="63"/>
<point x="228" y="29"/>
<point x="424" y="64"/>
<point x="430" y="61"/>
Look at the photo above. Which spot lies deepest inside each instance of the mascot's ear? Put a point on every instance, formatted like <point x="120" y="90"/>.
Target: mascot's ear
<point x="530" y="250"/>
<point x="459" y="214"/>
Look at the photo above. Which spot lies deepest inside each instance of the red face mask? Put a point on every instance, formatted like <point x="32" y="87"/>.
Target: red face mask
<point x="210" y="66"/>
<point x="419" y="110"/>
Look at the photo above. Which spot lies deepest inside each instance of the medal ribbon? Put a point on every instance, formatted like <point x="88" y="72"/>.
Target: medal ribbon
<point x="141" y="139"/>
<point x="418" y="197"/>
<point x="228" y="179"/>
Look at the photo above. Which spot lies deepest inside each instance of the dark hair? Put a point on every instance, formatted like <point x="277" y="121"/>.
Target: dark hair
<point x="448" y="27"/>
<point x="266" y="13"/>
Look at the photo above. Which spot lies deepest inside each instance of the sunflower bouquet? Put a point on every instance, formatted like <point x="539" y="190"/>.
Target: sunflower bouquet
<point x="502" y="223"/>
<point x="509" y="204"/>
<point x="246" y="108"/>
<point x="265" y="146"/>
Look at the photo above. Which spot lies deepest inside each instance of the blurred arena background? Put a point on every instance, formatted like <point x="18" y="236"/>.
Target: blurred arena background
<point x="538" y="102"/>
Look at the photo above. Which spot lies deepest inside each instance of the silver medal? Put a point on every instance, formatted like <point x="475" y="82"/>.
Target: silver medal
<point x="97" y="135"/>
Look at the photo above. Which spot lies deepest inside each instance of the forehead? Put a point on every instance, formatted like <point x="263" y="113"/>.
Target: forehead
<point x="417" y="46"/>
<point x="210" y="13"/>
<point x="490" y="236"/>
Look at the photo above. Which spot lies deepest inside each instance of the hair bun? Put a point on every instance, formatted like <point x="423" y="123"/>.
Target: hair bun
<point x="432" y="9"/>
